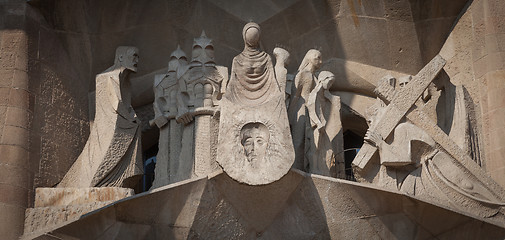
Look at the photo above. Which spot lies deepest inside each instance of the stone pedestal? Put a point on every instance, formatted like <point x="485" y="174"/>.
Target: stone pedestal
<point x="55" y="207"/>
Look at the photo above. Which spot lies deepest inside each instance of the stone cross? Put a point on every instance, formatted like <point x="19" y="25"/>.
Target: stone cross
<point x="400" y="104"/>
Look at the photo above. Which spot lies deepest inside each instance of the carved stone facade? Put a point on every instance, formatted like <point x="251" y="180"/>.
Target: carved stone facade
<point x="321" y="119"/>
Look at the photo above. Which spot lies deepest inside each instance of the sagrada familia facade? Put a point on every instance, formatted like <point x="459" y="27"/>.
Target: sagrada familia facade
<point x="217" y="119"/>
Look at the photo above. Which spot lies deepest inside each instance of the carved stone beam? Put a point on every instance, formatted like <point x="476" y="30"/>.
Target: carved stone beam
<point x="401" y="103"/>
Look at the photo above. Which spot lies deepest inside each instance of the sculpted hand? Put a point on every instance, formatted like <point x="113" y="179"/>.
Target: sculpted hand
<point x="373" y="138"/>
<point x="159" y="121"/>
<point x="184" y="116"/>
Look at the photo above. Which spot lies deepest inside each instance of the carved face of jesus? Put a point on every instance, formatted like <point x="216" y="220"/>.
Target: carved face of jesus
<point x="254" y="138"/>
<point x="252" y="36"/>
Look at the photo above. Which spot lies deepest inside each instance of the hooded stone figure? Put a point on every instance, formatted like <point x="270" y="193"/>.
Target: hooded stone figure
<point x="253" y="77"/>
<point x="112" y="157"/>
<point x="255" y="145"/>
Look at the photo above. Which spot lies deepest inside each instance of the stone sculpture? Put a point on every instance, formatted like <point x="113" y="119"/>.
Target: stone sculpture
<point x="411" y="161"/>
<point x="255" y="145"/>
<point x="112" y="156"/>
<point x="304" y="83"/>
<point x="325" y="154"/>
<point x="282" y="59"/>
<point x="200" y="88"/>
<point x="188" y="97"/>
<point x="166" y="89"/>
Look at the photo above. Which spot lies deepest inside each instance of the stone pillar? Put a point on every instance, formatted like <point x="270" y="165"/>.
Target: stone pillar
<point x="205" y="161"/>
<point x="16" y="177"/>
<point x="488" y="55"/>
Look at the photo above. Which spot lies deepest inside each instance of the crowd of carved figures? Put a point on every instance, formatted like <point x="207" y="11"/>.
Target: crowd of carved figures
<point x="256" y="121"/>
<point x="252" y="113"/>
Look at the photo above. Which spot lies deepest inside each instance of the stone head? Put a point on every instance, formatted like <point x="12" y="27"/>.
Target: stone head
<point x="255" y="138"/>
<point x="251" y="34"/>
<point x="312" y="60"/>
<point x="326" y="79"/>
<point x="177" y="58"/>
<point x="203" y="50"/>
<point x="127" y="57"/>
<point x="282" y="55"/>
<point x="403" y="81"/>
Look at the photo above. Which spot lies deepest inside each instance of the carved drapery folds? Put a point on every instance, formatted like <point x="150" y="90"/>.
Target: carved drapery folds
<point x="254" y="139"/>
<point x="417" y="157"/>
<point x="112" y="156"/>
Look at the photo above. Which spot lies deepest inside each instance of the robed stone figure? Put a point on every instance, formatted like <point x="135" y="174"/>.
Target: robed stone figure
<point x="112" y="156"/>
<point x="255" y="145"/>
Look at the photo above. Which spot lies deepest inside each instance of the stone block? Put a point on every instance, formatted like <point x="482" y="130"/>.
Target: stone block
<point x="13" y="195"/>
<point x="20" y="98"/>
<point x="14" y="156"/>
<point x="8" y="60"/>
<point x="44" y="219"/>
<point x="15" y="176"/>
<point x="494" y="80"/>
<point x="3" y="115"/>
<point x="398" y="10"/>
<point x="494" y="160"/>
<point x="496" y="100"/>
<point x="6" y="77"/>
<point x="4" y="95"/>
<point x="404" y="47"/>
<point x="11" y="221"/>
<point x="15" y="136"/>
<point x="20" y="80"/>
<point x="45" y="197"/>
<point x="18" y="117"/>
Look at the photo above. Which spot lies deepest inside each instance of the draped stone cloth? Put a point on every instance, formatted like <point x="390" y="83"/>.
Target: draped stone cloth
<point x="112" y="156"/>
<point x="253" y="96"/>
<point x="253" y="77"/>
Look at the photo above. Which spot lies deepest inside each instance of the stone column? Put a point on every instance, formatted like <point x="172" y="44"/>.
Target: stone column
<point x="16" y="177"/>
<point x="488" y="56"/>
<point x="205" y="161"/>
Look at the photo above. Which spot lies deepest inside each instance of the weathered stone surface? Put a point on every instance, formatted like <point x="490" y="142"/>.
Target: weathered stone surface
<point x="54" y="207"/>
<point x="50" y="197"/>
<point x="433" y="168"/>
<point x="221" y="208"/>
<point x="400" y="104"/>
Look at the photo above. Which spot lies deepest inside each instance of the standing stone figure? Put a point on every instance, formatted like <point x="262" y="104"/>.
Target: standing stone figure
<point x="255" y="145"/>
<point x="199" y="87"/>
<point x="112" y="157"/>
<point x="166" y="88"/>
<point x="325" y="138"/>
<point x="304" y="83"/>
<point x="281" y="73"/>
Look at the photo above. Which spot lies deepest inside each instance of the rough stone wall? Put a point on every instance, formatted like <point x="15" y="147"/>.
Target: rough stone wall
<point x="16" y="110"/>
<point x="60" y="120"/>
<point x="488" y="59"/>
